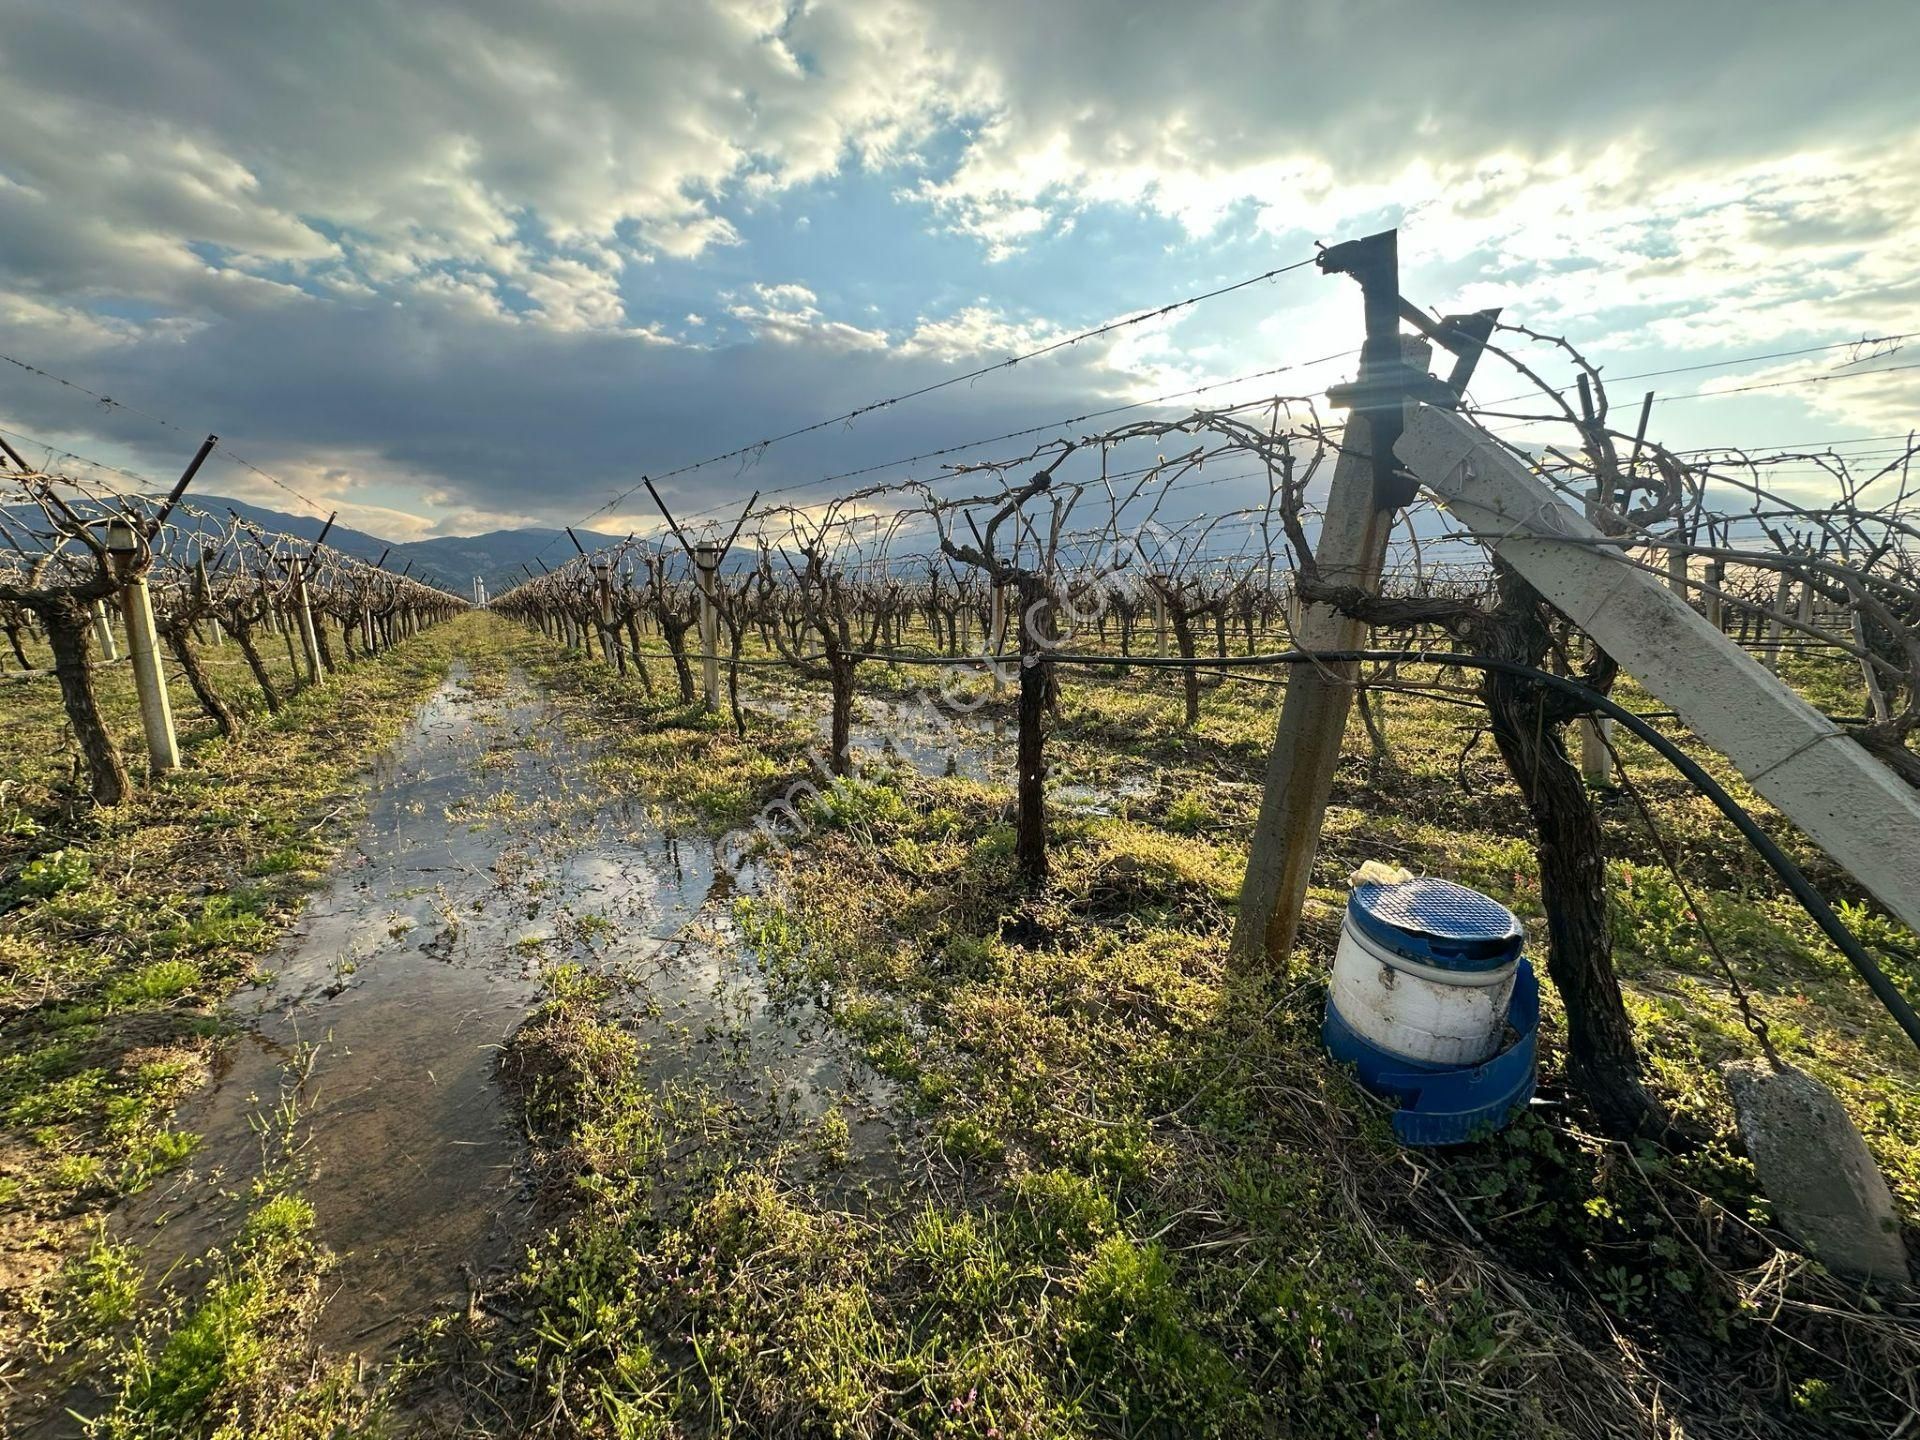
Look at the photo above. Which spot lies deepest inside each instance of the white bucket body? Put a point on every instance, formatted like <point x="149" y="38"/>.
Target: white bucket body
<point x="1420" y="1012"/>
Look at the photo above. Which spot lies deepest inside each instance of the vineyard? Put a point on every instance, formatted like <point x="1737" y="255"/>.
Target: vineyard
<point x="853" y="961"/>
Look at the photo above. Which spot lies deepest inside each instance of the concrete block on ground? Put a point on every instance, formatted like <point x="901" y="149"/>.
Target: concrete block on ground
<point x="1815" y="1168"/>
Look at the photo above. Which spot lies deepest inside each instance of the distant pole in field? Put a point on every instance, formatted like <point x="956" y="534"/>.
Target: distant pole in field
<point x="1596" y="756"/>
<point x="203" y="597"/>
<point x="103" y="632"/>
<point x="1776" y="628"/>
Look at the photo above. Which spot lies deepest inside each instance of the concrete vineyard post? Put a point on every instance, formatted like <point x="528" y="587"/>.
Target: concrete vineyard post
<point x="707" y="561"/>
<point x="203" y="597"/>
<point x="143" y="645"/>
<point x="1677" y="570"/>
<point x="285" y="632"/>
<point x="309" y="642"/>
<point x="1845" y="799"/>
<point x="1596" y="759"/>
<point x="1313" y="713"/>
<point x="996" y="632"/>
<point x="103" y="632"/>
<point x="1877" y="705"/>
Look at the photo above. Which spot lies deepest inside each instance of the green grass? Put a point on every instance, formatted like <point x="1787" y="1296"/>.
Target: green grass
<point x="1130" y="1196"/>
<point x="122" y="930"/>
<point x="1159" y="1211"/>
<point x="235" y="1363"/>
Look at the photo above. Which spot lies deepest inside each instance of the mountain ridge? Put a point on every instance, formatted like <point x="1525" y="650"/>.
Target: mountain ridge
<point x="501" y="558"/>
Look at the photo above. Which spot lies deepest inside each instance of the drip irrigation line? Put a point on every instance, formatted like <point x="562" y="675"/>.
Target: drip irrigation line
<point x="1756" y="1026"/>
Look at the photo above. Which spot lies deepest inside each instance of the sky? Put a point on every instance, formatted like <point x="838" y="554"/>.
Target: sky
<point x="452" y="268"/>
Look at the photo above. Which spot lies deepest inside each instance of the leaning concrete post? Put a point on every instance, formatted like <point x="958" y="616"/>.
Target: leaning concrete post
<point x="1352" y="550"/>
<point x="103" y="632"/>
<point x="1877" y="705"/>
<point x="707" y="561"/>
<point x="143" y="644"/>
<point x="309" y="642"/>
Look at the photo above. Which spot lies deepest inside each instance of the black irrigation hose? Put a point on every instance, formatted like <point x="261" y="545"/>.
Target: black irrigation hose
<point x="1803" y="889"/>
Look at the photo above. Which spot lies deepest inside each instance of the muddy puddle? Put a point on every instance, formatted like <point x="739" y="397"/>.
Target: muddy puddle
<point x="367" y="1061"/>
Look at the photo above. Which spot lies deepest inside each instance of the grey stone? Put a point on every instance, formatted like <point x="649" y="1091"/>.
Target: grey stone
<point x="1815" y="1168"/>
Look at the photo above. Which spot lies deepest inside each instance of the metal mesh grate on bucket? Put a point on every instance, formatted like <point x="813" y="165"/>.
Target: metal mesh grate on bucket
<point x="1437" y="922"/>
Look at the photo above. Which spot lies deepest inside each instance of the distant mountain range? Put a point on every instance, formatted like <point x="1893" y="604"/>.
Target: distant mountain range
<point x="501" y="557"/>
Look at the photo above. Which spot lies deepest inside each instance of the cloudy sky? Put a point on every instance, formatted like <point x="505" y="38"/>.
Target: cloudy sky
<point x="456" y="267"/>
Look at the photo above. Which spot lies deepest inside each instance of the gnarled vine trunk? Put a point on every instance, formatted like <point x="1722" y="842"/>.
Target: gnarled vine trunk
<point x="68" y="625"/>
<point x="243" y="637"/>
<point x="180" y="642"/>
<point x="1529" y="726"/>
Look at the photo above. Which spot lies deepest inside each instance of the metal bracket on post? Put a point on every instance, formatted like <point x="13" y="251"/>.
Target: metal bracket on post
<point x="1465" y="336"/>
<point x="707" y="558"/>
<point x="1380" y="392"/>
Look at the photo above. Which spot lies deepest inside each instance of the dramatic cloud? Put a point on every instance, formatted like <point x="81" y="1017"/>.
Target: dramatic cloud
<point x="456" y="266"/>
